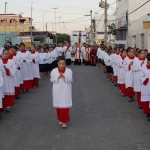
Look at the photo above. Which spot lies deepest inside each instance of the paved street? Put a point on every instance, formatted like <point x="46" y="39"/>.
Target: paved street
<point x="100" y="118"/>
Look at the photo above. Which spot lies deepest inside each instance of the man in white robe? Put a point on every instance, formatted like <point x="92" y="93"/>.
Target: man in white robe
<point x="61" y="78"/>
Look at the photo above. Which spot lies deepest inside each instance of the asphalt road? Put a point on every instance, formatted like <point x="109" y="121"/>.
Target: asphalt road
<point x="100" y="118"/>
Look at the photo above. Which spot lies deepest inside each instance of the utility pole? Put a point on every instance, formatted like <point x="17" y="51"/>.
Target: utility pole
<point x="91" y="27"/>
<point x="46" y="26"/>
<point x="55" y="23"/>
<point x="5" y="23"/>
<point x="31" y="24"/>
<point x="105" y="36"/>
<point x="43" y="20"/>
<point x="59" y="23"/>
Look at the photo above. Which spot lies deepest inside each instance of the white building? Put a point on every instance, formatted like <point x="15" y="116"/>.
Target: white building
<point x="138" y="33"/>
<point x="121" y="23"/>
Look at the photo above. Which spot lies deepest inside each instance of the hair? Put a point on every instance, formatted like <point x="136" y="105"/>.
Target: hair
<point x="140" y="51"/>
<point x="9" y="47"/>
<point x="61" y="58"/>
<point x="123" y="50"/>
<point x="22" y="44"/>
<point x="148" y="57"/>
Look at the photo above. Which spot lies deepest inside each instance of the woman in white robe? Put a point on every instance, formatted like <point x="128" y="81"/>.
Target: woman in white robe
<point x="128" y="62"/>
<point x="136" y="68"/>
<point x="35" y="66"/>
<point x="61" y="78"/>
<point x="145" y="88"/>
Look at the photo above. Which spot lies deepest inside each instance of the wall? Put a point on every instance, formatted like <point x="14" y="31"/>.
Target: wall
<point x="135" y="26"/>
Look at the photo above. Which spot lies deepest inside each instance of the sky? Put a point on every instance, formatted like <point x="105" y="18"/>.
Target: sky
<point x="70" y="13"/>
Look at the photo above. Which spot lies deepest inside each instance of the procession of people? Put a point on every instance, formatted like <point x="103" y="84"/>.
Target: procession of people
<point x="21" y="68"/>
<point x="129" y="70"/>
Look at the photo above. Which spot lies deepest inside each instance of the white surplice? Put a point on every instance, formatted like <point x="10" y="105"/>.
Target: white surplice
<point x="121" y="71"/>
<point x="62" y="89"/>
<point x="35" y="66"/>
<point x="128" y="73"/>
<point x="145" y="89"/>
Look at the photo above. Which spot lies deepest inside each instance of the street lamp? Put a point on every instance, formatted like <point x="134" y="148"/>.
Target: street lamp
<point x="5" y="22"/>
<point x="55" y="23"/>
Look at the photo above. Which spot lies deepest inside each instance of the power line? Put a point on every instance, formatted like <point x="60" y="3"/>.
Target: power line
<point x="134" y="10"/>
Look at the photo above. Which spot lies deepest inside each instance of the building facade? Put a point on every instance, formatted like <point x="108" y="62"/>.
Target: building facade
<point x="139" y="24"/>
<point x="14" y="23"/>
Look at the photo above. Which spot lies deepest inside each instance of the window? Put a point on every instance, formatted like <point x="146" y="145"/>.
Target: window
<point x="142" y="41"/>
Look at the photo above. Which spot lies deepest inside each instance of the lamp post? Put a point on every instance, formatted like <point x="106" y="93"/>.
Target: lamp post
<point x="55" y="23"/>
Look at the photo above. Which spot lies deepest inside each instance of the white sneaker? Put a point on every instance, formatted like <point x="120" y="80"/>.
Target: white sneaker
<point x="64" y="125"/>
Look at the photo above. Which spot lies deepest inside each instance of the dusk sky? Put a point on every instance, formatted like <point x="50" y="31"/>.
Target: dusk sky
<point x="71" y="12"/>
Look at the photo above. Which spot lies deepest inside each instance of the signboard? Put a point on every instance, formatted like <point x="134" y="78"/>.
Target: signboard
<point x="121" y="19"/>
<point x="26" y="40"/>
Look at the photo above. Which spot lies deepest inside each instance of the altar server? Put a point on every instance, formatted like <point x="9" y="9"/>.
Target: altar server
<point x="127" y="64"/>
<point x="145" y="88"/>
<point x="61" y="78"/>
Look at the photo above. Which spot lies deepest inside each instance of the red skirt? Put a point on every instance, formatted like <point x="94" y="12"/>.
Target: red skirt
<point x="17" y="91"/>
<point x="123" y="88"/>
<point x="146" y="108"/>
<point x="63" y="114"/>
<point x="36" y="82"/>
<point x="27" y="84"/>
<point x="8" y="101"/>
<point x="130" y="92"/>
<point x="140" y="103"/>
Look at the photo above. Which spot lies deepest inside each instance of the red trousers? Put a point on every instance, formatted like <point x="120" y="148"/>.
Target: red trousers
<point x="130" y="92"/>
<point x="140" y="103"/>
<point x="123" y="88"/>
<point x="35" y="82"/>
<point x="17" y="91"/>
<point x="146" y="108"/>
<point x="63" y="114"/>
<point x="9" y="100"/>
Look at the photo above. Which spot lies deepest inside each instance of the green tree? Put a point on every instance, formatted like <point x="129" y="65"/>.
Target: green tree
<point x="61" y="38"/>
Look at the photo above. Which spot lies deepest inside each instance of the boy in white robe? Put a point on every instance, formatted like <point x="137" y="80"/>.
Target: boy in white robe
<point x="138" y="62"/>
<point x="127" y="64"/>
<point x="61" y="78"/>
<point x="145" y="88"/>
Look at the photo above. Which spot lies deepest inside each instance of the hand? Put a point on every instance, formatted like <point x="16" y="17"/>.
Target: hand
<point x="131" y="63"/>
<point x="142" y="63"/>
<point x="61" y="76"/>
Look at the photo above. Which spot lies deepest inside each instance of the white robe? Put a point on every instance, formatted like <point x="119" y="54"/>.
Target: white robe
<point x="128" y="73"/>
<point x="62" y="89"/>
<point x="35" y="66"/>
<point x="136" y="68"/>
<point x="78" y="53"/>
<point x="26" y="66"/>
<point x="8" y="80"/>
<point x="67" y="52"/>
<point x="145" y="89"/>
<point x="114" y="62"/>
<point x="1" y="89"/>
<point x="121" y="71"/>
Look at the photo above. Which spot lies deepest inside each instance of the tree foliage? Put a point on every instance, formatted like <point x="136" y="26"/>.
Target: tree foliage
<point x="61" y="38"/>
